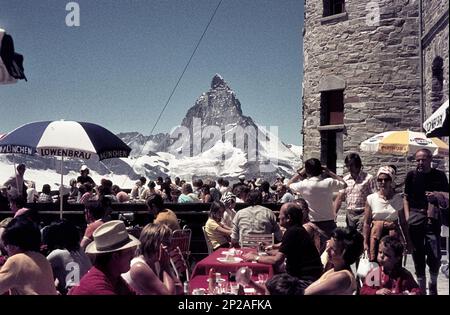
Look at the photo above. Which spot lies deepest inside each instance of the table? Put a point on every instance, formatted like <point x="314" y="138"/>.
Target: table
<point x="203" y="266"/>
<point x="201" y="281"/>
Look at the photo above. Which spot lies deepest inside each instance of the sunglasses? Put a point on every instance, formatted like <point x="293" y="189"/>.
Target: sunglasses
<point x="383" y="180"/>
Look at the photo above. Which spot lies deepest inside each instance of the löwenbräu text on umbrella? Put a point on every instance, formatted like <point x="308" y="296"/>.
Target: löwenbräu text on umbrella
<point x="81" y="154"/>
<point x="16" y="149"/>
<point x="65" y="152"/>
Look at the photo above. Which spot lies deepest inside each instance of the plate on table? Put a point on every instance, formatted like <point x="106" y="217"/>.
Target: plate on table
<point x="230" y="252"/>
<point x="249" y="291"/>
<point x="234" y="260"/>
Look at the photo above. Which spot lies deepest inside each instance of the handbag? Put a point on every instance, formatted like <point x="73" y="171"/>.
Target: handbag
<point x="365" y="265"/>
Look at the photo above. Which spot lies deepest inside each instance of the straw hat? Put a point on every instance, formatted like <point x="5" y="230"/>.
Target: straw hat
<point x="111" y="236"/>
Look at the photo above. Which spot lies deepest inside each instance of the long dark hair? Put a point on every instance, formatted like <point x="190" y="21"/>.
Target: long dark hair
<point x="62" y="235"/>
<point x="214" y="210"/>
<point x="352" y="242"/>
<point x="22" y="233"/>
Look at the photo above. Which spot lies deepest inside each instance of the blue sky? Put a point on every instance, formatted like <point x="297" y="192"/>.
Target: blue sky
<point x="120" y="65"/>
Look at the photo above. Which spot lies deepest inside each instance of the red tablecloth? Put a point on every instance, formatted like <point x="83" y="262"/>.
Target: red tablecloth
<point x="203" y="266"/>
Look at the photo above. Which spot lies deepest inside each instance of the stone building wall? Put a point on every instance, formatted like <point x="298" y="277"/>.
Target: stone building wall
<point x="435" y="43"/>
<point x="377" y="65"/>
<point x="431" y="12"/>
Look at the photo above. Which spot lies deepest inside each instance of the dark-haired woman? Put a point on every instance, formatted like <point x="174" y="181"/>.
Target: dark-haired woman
<point x="217" y="233"/>
<point x="45" y="195"/>
<point x="26" y="271"/>
<point x="343" y="249"/>
<point x="69" y="262"/>
<point x="161" y="214"/>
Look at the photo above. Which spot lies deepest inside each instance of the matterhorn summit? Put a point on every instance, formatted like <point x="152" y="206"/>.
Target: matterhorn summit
<point x="219" y="106"/>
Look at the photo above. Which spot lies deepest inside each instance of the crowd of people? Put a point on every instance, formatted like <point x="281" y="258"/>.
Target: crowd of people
<point x="310" y="255"/>
<point x="83" y="189"/>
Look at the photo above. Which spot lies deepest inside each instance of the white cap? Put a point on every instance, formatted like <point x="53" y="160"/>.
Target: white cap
<point x="83" y="168"/>
<point x="241" y="177"/>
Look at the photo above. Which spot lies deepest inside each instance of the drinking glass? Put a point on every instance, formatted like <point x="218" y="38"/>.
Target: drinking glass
<point x="234" y="288"/>
<point x="263" y="277"/>
<point x="244" y="275"/>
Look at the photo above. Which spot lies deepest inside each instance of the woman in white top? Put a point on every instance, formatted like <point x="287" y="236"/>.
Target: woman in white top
<point x="150" y="272"/>
<point x="383" y="211"/>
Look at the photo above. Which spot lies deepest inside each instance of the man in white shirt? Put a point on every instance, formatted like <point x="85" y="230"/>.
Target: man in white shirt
<point x="16" y="183"/>
<point x="318" y="192"/>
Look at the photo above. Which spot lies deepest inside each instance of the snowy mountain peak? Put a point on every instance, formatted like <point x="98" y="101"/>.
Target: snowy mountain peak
<point x="217" y="107"/>
<point x="218" y="82"/>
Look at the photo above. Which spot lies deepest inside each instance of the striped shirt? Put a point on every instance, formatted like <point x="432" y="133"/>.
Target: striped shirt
<point x="357" y="190"/>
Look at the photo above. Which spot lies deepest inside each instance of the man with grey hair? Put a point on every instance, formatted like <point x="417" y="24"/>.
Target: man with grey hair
<point x="424" y="224"/>
<point x="254" y="219"/>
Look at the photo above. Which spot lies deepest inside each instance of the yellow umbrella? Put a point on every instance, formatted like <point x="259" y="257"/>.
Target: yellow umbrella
<point x="404" y="143"/>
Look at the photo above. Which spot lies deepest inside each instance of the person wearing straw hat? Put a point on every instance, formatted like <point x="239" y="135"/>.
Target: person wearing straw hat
<point x="421" y="187"/>
<point x="113" y="248"/>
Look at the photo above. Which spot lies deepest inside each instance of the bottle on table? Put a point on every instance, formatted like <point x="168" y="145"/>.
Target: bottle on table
<point x="186" y="288"/>
<point x="212" y="281"/>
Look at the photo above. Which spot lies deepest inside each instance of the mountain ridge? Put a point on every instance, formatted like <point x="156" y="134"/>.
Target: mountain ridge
<point x="214" y="139"/>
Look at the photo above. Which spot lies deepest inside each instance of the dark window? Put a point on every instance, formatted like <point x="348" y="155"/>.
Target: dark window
<point x="332" y="113"/>
<point x="332" y="108"/>
<point x="332" y="149"/>
<point x="437" y="82"/>
<point x="332" y="7"/>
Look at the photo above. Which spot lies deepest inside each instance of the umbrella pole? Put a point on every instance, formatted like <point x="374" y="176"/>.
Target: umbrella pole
<point x="61" y="191"/>
<point x="15" y="172"/>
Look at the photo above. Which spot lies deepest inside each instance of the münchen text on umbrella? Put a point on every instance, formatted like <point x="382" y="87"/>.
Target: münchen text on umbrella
<point x="16" y="149"/>
<point x="113" y="154"/>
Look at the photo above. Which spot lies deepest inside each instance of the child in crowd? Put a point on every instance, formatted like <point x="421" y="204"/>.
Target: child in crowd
<point x="392" y="278"/>
<point x="45" y="195"/>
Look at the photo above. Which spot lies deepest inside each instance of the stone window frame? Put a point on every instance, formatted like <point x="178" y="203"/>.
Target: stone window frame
<point x="334" y="17"/>
<point x="330" y="83"/>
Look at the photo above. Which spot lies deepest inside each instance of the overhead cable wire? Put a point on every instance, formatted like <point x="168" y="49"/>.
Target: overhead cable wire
<point x="179" y="80"/>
